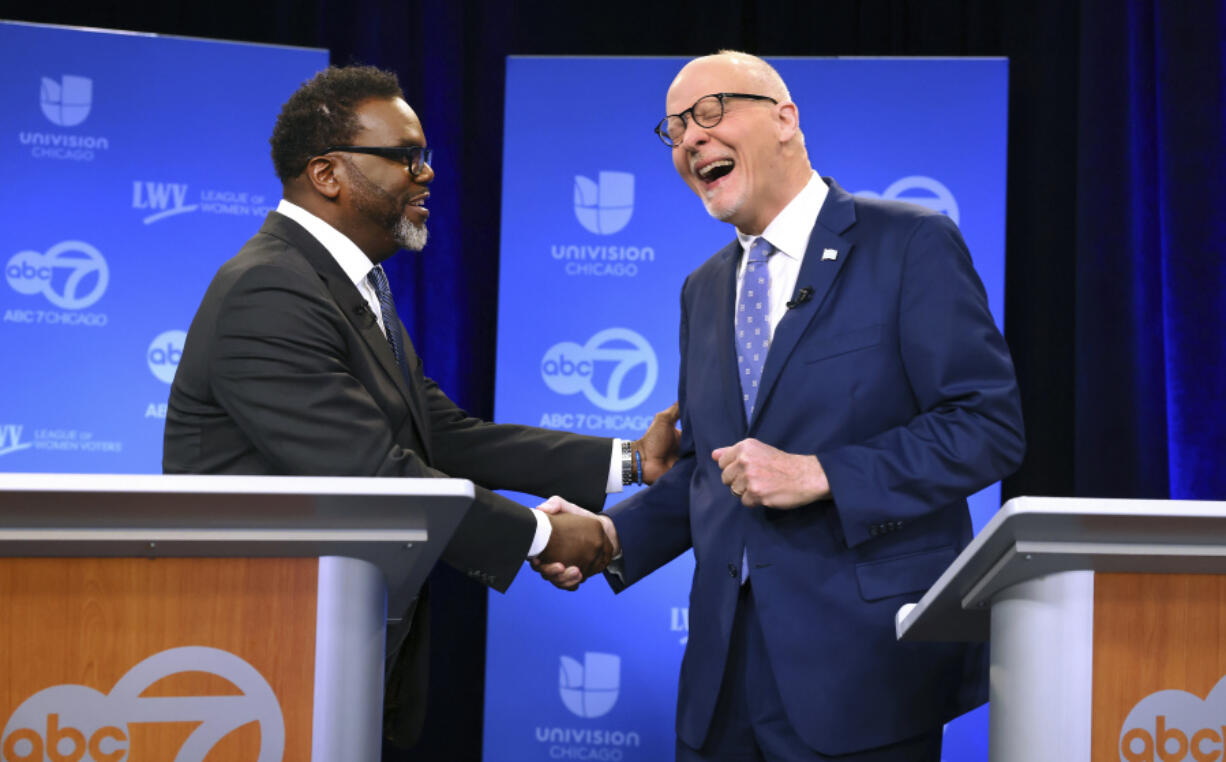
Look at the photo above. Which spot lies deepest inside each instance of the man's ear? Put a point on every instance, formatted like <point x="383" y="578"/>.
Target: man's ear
<point x="325" y="176"/>
<point x="787" y="121"/>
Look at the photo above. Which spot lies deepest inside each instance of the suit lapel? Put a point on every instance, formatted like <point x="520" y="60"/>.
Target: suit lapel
<point x="818" y="271"/>
<point x="724" y="320"/>
<point x="356" y="310"/>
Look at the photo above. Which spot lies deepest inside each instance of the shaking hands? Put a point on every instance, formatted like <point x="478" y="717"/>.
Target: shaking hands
<point x="581" y="546"/>
<point x="583" y="543"/>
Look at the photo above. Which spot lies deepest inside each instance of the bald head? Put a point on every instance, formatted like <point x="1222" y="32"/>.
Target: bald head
<point x="748" y="163"/>
<point x="747" y="68"/>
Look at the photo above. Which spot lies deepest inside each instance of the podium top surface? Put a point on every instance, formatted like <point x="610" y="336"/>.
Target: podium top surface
<point x="398" y="525"/>
<point x="1033" y="536"/>
<point x="255" y="485"/>
<point x="244" y="507"/>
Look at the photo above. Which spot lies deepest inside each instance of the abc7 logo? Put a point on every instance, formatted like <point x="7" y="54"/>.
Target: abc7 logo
<point x="569" y="368"/>
<point x="30" y="273"/>
<point x="164" y="353"/>
<point x="932" y="194"/>
<point x="1174" y="725"/>
<point x="78" y="723"/>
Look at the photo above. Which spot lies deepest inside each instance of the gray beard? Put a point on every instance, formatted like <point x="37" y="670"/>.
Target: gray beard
<point x="409" y="235"/>
<point x="406" y="234"/>
<point x="728" y="213"/>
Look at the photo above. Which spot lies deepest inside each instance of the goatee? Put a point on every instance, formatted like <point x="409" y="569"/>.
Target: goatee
<point x="410" y="235"/>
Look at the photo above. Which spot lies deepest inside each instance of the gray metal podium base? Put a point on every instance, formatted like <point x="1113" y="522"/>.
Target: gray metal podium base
<point x="1041" y="673"/>
<point x="350" y="629"/>
<point x="1027" y="582"/>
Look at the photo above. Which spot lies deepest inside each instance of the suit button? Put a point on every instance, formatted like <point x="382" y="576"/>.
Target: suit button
<point x="734" y="570"/>
<point x="874" y="530"/>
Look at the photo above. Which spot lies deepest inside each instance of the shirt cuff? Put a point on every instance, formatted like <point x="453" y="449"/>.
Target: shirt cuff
<point x="617" y="568"/>
<point x="544" y="530"/>
<point x="614" y="482"/>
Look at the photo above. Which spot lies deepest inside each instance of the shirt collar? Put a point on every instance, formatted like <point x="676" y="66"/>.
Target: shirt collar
<point x="789" y="231"/>
<point x="346" y="253"/>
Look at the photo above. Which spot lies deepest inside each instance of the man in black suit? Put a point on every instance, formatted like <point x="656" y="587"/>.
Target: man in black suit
<point x="297" y="364"/>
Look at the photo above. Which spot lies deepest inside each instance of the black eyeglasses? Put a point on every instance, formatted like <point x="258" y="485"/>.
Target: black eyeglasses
<point x="707" y="112"/>
<point x="416" y="158"/>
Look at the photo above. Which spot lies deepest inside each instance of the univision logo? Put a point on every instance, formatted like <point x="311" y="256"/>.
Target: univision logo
<point x="590" y="689"/>
<point x="605" y="206"/>
<point x="68" y="101"/>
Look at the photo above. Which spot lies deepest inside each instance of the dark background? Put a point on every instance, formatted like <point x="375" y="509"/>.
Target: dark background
<point x="1116" y="234"/>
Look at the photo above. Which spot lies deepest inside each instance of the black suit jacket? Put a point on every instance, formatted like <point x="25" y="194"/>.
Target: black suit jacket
<point x="285" y="371"/>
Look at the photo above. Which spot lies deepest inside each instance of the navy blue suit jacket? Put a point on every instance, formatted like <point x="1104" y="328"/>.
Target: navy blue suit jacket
<point x="894" y="375"/>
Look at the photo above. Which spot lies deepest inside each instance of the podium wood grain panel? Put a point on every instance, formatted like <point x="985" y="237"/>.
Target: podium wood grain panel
<point x="1152" y="632"/>
<point x="88" y="622"/>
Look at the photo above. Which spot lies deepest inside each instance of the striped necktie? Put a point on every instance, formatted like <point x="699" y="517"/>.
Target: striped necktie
<point x="391" y="322"/>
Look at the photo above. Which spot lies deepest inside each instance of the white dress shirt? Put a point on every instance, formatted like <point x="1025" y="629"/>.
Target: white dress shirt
<point x="356" y="265"/>
<point x="789" y="234"/>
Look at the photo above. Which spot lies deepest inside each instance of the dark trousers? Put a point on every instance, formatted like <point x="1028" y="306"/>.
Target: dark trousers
<point x="750" y="723"/>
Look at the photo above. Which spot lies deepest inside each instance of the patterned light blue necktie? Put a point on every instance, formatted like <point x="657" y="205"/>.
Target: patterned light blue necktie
<point x="391" y="322"/>
<point x="753" y="335"/>
<point x="753" y="332"/>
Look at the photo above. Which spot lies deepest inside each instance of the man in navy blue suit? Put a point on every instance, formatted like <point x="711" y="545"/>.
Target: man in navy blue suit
<point x="843" y="389"/>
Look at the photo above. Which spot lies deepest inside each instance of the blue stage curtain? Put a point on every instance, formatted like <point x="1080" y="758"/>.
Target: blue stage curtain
<point x="1151" y="250"/>
<point x="450" y="61"/>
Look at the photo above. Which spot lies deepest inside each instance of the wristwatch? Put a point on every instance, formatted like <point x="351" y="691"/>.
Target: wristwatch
<point x="628" y="470"/>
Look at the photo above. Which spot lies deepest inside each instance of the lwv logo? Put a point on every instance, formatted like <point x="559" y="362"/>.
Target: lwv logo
<point x="604" y="207"/>
<point x="66" y="102"/>
<point x="590" y="689"/>
<point x="164" y="199"/>
<point x="10" y="439"/>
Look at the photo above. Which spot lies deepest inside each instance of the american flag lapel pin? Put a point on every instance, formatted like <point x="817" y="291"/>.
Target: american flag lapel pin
<point x="829" y="254"/>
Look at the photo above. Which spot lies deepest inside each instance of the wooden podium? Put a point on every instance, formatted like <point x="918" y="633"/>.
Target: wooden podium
<point x="1107" y="624"/>
<point x="185" y="618"/>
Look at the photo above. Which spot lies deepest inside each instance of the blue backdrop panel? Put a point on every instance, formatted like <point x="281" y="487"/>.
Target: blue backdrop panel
<point x="598" y="234"/>
<point x="137" y="165"/>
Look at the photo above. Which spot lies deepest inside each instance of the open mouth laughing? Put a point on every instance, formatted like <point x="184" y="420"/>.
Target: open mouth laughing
<point x="710" y="171"/>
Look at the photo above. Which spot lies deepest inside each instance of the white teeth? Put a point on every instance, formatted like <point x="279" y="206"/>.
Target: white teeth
<point x="705" y="172"/>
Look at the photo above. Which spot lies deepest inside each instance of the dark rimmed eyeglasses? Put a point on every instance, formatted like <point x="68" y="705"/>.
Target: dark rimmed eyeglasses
<point x="707" y="112"/>
<point x="416" y="158"/>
